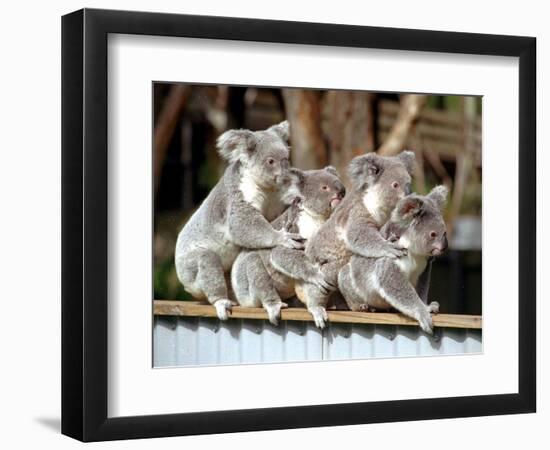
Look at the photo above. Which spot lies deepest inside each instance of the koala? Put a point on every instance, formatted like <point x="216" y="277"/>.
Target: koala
<point x="255" y="189"/>
<point x="267" y="277"/>
<point x="378" y="183"/>
<point x="401" y="283"/>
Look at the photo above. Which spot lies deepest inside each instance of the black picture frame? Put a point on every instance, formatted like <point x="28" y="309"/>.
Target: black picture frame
<point x="84" y="224"/>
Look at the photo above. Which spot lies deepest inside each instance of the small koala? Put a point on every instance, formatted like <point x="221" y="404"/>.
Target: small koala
<point x="378" y="183"/>
<point x="255" y="189"/>
<point x="402" y="283"/>
<point x="267" y="277"/>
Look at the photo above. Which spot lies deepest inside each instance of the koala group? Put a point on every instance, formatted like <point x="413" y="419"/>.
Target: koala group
<point x="268" y="232"/>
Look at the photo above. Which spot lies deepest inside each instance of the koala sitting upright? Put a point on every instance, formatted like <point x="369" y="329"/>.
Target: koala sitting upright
<point x="382" y="283"/>
<point x="267" y="277"/>
<point x="254" y="189"/>
<point x="378" y="182"/>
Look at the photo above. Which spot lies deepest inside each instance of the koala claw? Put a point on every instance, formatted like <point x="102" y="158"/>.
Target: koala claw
<point x="319" y="314"/>
<point x="293" y="240"/>
<point x="274" y="311"/>
<point x="433" y="308"/>
<point x="223" y="308"/>
<point x="298" y="203"/>
<point x="396" y="251"/>
<point x="366" y="308"/>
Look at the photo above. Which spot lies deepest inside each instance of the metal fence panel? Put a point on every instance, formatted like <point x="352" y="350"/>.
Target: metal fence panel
<point x="189" y="341"/>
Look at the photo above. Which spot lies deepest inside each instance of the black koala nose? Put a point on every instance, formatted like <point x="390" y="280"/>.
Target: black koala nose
<point x="340" y="189"/>
<point x="445" y="244"/>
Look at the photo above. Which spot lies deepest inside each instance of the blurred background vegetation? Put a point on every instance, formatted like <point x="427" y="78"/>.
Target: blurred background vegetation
<point x="327" y="127"/>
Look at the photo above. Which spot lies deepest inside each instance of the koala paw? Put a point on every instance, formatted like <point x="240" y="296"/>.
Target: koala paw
<point x="324" y="286"/>
<point x="274" y="311"/>
<point x="293" y="240"/>
<point x="223" y="308"/>
<point x="393" y="250"/>
<point x="425" y="321"/>
<point x="319" y="314"/>
<point x="433" y="308"/>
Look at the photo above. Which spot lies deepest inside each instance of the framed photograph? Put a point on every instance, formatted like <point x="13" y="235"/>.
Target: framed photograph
<point x="266" y="224"/>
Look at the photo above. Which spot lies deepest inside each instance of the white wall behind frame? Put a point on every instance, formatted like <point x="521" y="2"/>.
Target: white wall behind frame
<point x="30" y="387"/>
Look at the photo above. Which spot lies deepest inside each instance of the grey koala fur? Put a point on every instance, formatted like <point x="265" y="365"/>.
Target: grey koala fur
<point x="402" y="283"/>
<point x="267" y="277"/>
<point x="378" y="183"/>
<point x="255" y="188"/>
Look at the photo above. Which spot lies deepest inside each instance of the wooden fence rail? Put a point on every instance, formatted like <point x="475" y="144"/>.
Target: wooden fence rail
<point x="198" y="309"/>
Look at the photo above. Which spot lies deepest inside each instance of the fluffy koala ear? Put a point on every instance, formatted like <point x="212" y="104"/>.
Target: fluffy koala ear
<point x="332" y="170"/>
<point x="235" y="145"/>
<point x="407" y="157"/>
<point x="439" y="196"/>
<point x="292" y="185"/>
<point x="363" y="167"/>
<point x="282" y="130"/>
<point x="409" y="207"/>
<point x="296" y="176"/>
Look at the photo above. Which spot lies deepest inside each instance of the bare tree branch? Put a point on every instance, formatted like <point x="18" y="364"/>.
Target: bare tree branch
<point x="411" y="105"/>
<point x="435" y="161"/>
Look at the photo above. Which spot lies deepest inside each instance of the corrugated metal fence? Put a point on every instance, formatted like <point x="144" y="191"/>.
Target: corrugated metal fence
<point x="184" y="341"/>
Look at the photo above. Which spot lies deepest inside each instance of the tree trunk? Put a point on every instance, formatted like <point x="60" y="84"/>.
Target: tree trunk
<point x="303" y="113"/>
<point x="166" y="125"/>
<point x="349" y="126"/>
<point x="464" y="161"/>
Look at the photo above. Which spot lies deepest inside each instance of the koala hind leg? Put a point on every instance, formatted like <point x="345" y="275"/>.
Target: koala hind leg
<point x="394" y="287"/>
<point x="262" y="288"/>
<point x="315" y="300"/>
<point x="347" y="288"/>
<point x="201" y="273"/>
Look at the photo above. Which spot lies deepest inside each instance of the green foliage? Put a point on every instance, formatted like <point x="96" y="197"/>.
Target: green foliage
<point x="452" y="102"/>
<point x="166" y="283"/>
<point x="209" y="172"/>
<point x="433" y="101"/>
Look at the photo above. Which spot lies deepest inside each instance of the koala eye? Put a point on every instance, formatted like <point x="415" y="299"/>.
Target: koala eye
<point x="395" y="185"/>
<point x="271" y="161"/>
<point x="325" y="188"/>
<point x="433" y="234"/>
